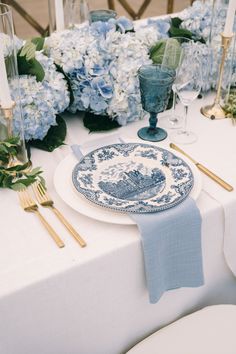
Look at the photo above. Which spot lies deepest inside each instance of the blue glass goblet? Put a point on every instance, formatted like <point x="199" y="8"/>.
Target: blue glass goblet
<point x="102" y="15"/>
<point x="155" y="88"/>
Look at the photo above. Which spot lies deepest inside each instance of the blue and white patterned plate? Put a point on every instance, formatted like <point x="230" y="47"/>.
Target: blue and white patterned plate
<point x="138" y="178"/>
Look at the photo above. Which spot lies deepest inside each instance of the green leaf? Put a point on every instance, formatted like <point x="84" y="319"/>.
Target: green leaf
<point x="14" y="140"/>
<point x="23" y="65"/>
<point x="7" y="181"/>
<point x="180" y="32"/>
<point x="97" y="123"/>
<point x="18" y="186"/>
<point x="176" y="22"/>
<point x="37" y="70"/>
<point x="3" y="149"/>
<point x="176" y="31"/>
<point x="30" y="67"/>
<point x="38" y="42"/>
<point x="17" y="168"/>
<point x="35" y="171"/>
<point x="28" y="50"/>
<point x="166" y="53"/>
<point x="60" y="70"/>
<point x="54" y="138"/>
<point x="157" y="51"/>
<point x="1" y="178"/>
<point x="8" y="149"/>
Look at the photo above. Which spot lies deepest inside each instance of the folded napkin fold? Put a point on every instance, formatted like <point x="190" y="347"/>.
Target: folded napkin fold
<point x="171" y="239"/>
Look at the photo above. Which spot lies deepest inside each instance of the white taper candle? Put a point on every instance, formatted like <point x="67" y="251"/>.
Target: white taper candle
<point x="5" y="97"/>
<point x="59" y="14"/>
<point x="229" y="23"/>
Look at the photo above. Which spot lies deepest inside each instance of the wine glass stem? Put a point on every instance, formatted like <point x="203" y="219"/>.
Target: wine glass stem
<point x="185" y="119"/>
<point x="153" y="120"/>
<point x="173" y="106"/>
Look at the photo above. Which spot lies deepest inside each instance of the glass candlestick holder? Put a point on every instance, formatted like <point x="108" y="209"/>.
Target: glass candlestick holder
<point x="11" y="123"/>
<point x="67" y="14"/>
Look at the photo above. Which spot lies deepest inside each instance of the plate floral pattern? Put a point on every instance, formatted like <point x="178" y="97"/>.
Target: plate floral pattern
<point x="137" y="178"/>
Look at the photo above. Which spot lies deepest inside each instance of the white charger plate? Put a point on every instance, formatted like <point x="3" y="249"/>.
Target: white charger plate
<point x="66" y="190"/>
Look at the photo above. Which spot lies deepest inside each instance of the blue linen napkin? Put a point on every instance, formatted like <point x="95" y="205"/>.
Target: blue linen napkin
<point x="171" y="241"/>
<point x="172" y="248"/>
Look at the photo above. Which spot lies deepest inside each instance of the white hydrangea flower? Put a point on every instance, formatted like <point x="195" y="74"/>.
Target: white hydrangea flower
<point x="8" y="44"/>
<point x="55" y="82"/>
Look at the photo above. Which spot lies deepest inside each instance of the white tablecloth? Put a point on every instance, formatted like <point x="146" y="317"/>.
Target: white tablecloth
<point x="94" y="300"/>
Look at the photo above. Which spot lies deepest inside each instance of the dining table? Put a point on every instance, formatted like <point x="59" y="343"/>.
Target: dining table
<point x="94" y="300"/>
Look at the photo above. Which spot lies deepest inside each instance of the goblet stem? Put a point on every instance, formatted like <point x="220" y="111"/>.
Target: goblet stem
<point x="152" y="132"/>
<point x="174" y="101"/>
<point x="153" y="120"/>
<point x="184" y="136"/>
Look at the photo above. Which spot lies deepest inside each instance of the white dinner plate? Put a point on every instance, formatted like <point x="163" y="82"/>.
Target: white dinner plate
<point x="66" y="190"/>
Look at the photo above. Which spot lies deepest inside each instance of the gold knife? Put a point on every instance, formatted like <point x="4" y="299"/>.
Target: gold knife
<point x="205" y="170"/>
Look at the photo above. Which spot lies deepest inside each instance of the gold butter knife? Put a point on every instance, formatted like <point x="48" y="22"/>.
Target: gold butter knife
<point x="205" y="170"/>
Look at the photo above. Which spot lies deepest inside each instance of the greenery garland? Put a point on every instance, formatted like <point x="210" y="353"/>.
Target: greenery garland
<point x="13" y="175"/>
<point x="230" y="107"/>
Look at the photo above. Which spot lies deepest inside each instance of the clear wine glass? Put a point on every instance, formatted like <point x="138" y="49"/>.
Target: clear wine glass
<point x="76" y="12"/>
<point x="188" y="85"/>
<point x="172" y="58"/>
<point x="155" y="88"/>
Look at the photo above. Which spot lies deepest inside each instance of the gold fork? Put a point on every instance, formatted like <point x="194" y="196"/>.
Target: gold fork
<point x="45" y="200"/>
<point x="29" y="205"/>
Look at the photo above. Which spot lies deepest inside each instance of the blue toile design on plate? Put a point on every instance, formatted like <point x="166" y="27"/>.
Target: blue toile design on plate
<point x="149" y="154"/>
<point x="179" y="174"/>
<point x="87" y="179"/>
<point x="166" y="198"/>
<point x="169" y="159"/>
<point x="124" y="149"/>
<point x="106" y="154"/>
<point x="135" y="185"/>
<point x="88" y="164"/>
<point x="133" y="177"/>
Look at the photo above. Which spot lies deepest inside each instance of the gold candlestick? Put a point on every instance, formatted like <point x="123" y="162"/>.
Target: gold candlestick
<point x="215" y="111"/>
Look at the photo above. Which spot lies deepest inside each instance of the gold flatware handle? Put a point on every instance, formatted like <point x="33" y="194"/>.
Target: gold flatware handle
<point x="216" y="178"/>
<point x="175" y="147"/>
<point x="50" y="230"/>
<point x="69" y="227"/>
<point x="205" y="170"/>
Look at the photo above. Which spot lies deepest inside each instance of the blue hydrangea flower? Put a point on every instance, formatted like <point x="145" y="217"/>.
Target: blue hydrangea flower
<point x="54" y="82"/>
<point x="102" y="62"/>
<point x="36" y="104"/>
<point x="40" y="101"/>
<point x="162" y="26"/>
<point x="197" y="19"/>
<point x="124" y="24"/>
<point x="104" y="79"/>
<point x="100" y="28"/>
